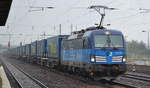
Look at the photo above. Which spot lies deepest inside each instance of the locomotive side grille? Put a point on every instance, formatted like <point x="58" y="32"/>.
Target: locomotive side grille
<point x="101" y="59"/>
<point x="117" y="59"/>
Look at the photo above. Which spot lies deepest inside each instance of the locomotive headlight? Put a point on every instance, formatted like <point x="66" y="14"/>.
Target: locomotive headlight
<point x="93" y="59"/>
<point x="124" y="59"/>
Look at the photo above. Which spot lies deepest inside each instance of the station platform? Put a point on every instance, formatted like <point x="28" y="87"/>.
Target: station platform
<point x="4" y="80"/>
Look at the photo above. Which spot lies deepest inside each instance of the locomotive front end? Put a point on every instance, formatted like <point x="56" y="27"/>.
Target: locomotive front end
<point x="108" y="55"/>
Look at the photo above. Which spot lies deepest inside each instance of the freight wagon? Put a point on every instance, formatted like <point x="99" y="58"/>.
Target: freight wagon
<point x="54" y="49"/>
<point x="42" y="52"/>
<point x="28" y="51"/>
<point x="33" y="51"/>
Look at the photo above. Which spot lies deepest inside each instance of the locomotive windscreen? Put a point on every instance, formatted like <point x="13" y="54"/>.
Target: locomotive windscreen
<point x="114" y="41"/>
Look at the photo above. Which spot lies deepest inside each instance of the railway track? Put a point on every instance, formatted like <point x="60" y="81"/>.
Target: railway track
<point x="14" y="82"/>
<point x="135" y="80"/>
<point x="138" y="77"/>
<point x="87" y="81"/>
<point x="20" y="79"/>
<point x="101" y="84"/>
<point x="32" y="78"/>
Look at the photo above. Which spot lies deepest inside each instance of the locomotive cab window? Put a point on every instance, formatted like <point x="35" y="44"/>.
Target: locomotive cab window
<point x="113" y="41"/>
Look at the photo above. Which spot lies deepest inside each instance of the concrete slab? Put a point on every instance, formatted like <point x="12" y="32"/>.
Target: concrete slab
<point x="5" y="81"/>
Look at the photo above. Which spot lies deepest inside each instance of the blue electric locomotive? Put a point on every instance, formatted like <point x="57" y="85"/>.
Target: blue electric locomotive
<point x="96" y="52"/>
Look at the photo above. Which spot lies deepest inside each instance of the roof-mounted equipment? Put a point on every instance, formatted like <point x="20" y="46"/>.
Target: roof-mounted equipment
<point x="101" y="10"/>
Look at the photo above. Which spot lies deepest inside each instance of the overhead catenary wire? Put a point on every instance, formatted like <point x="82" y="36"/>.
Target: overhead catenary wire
<point x="27" y="11"/>
<point x="22" y="17"/>
<point x="110" y="3"/>
<point x="68" y="10"/>
<point x="137" y="24"/>
<point x="125" y="17"/>
<point x="83" y="14"/>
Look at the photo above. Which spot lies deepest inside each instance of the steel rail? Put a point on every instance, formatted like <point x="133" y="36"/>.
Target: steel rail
<point x="34" y="79"/>
<point x="12" y="79"/>
<point x="137" y="77"/>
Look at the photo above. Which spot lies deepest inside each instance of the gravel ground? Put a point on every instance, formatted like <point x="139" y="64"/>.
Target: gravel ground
<point x="139" y="69"/>
<point x="54" y="80"/>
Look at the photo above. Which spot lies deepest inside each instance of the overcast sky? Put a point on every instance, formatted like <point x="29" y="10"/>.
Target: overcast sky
<point x="31" y="24"/>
